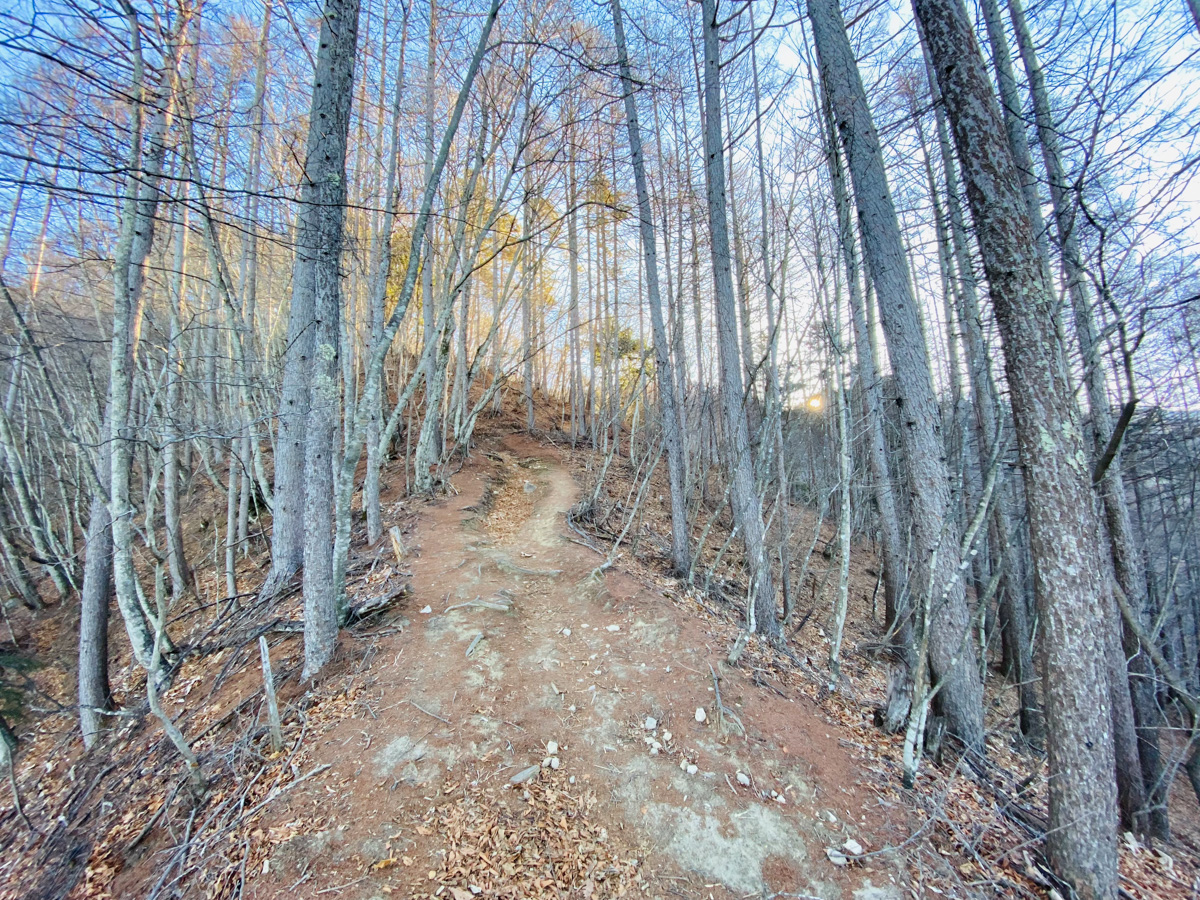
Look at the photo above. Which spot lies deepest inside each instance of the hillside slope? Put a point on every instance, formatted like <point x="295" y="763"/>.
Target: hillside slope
<point x="521" y="720"/>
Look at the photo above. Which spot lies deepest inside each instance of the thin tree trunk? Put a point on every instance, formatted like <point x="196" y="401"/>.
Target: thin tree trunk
<point x="899" y="612"/>
<point x="774" y="393"/>
<point x="176" y="559"/>
<point x="142" y="195"/>
<point x="527" y="274"/>
<point x="665" y="372"/>
<point x="573" y="343"/>
<point x="426" y="251"/>
<point x="248" y="273"/>
<point x="95" y="695"/>
<point x="382" y="257"/>
<point x="747" y="507"/>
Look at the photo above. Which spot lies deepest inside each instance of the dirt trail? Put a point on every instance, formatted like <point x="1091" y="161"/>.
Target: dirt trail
<point x="559" y="653"/>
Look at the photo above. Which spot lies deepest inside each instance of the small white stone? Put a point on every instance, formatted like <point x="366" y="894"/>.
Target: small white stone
<point x="655" y="746"/>
<point x="654" y="751"/>
<point x="692" y="769"/>
<point x="554" y="762"/>
<point x="852" y="847"/>
<point x="566" y="632"/>
<point x="613" y="628"/>
<point x="571" y="780"/>
<point x="546" y="762"/>
<point x="701" y="715"/>
<point x="836" y="857"/>
<point x="743" y="779"/>
<point x="667" y="736"/>
<point x="427" y="610"/>
<point x="683" y="764"/>
<point x="552" y="748"/>
<point x="650" y="724"/>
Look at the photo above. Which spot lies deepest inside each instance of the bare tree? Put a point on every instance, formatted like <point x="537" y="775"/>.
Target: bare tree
<point x="664" y="370"/>
<point x="936" y="562"/>
<point x="1062" y="523"/>
<point x="318" y="277"/>
<point x="746" y="504"/>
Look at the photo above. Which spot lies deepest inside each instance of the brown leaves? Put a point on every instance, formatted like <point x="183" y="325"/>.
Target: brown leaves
<point x="545" y="847"/>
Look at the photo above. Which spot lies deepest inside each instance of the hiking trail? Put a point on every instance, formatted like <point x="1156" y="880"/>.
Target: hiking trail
<point x="530" y="661"/>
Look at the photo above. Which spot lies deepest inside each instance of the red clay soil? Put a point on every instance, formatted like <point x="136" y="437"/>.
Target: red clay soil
<point x="583" y="660"/>
<point x="520" y="654"/>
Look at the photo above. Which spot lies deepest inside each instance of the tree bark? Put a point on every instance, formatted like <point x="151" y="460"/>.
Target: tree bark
<point x="935" y="551"/>
<point x="1142" y="792"/>
<point x="1082" y="834"/>
<point x="1015" y="604"/>
<point x="321" y="237"/>
<point x="747" y="506"/>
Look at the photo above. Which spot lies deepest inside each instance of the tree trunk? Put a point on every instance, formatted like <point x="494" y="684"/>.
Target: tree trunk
<point x="177" y="559"/>
<point x="935" y="551"/>
<point x="680" y="551"/>
<point x="321" y="235"/>
<point x="382" y="257"/>
<point x="575" y="350"/>
<point x="1139" y="764"/>
<point x="1082" y="834"/>
<point x="1014" y="602"/>
<point x="895" y="588"/>
<point x="373" y="381"/>
<point x="140" y="207"/>
<point x="95" y="695"/>
<point x="527" y="274"/>
<point x="747" y="506"/>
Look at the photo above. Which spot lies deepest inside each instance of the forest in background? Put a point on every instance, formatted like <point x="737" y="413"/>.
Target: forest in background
<point x="929" y="274"/>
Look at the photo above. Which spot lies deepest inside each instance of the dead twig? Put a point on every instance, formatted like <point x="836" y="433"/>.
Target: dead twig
<point x="420" y="708"/>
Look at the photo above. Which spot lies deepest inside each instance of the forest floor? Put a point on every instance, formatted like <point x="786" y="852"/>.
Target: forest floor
<point x="568" y="665"/>
<point x="523" y="721"/>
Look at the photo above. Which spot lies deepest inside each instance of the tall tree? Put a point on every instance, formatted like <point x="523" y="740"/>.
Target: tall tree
<point x="936" y="574"/>
<point x="1139" y="764"/>
<point x="746" y="504"/>
<point x="896" y="599"/>
<point x="317" y="277"/>
<point x="664" y="370"/>
<point x="1082" y="830"/>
